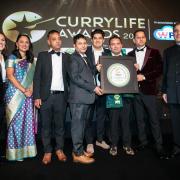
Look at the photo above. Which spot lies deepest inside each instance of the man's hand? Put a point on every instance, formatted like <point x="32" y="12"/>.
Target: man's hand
<point x="164" y="96"/>
<point x="140" y="77"/>
<point x="136" y="66"/>
<point x="98" y="91"/>
<point x="98" y="67"/>
<point x="38" y="103"/>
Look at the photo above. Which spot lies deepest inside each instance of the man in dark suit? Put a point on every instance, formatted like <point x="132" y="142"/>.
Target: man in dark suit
<point x="149" y="70"/>
<point x="81" y="97"/>
<point x="51" y="93"/>
<point x="93" y="52"/>
<point x="171" y="86"/>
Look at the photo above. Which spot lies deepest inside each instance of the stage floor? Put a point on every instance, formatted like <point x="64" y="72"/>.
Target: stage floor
<point x="143" y="166"/>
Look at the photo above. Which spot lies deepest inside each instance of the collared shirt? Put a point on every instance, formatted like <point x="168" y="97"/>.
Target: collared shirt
<point x="140" y="55"/>
<point x="120" y="54"/>
<point x="97" y="54"/>
<point x="57" y="83"/>
<point x="84" y="57"/>
<point x="3" y="69"/>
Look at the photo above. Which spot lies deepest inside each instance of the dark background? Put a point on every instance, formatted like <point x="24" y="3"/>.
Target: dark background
<point x="161" y="10"/>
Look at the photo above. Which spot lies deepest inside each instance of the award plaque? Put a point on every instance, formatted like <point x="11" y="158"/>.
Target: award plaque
<point x="118" y="74"/>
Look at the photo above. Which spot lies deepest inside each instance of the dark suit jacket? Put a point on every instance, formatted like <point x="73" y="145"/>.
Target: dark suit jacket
<point x="2" y="88"/>
<point x="91" y="57"/>
<point x="81" y="81"/>
<point x="151" y="69"/>
<point x="43" y="75"/>
<point x="171" y="74"/>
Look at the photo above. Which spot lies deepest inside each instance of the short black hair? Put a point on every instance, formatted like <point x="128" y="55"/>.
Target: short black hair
<point x="114" y="36"/>
<point x="78" y="36"/>
<point x="97" y="31"/>
<point x="52" y="32"/>
<point x="138" y="30"/>
<point x="177" y="24"/>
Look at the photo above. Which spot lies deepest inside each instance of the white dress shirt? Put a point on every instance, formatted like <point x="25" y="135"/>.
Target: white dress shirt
<point x="57" y="83"/>
<point x="2" y="64"/>
<point x="140" y="55"/>
<point x="96" y="56"/>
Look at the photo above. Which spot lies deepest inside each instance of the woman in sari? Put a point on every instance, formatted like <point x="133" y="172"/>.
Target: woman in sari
<point x="19" y="101"/>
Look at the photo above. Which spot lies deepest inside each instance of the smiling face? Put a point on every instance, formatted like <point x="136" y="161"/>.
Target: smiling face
<point x="2" y="42"/>
<point x="115" y="46"/>
<point x="177" y="33"/>
<point x="81" y="45"/>
<point x="54" y="41"/>
<point x="23" y="44"/>
<point x="97" y="41"/>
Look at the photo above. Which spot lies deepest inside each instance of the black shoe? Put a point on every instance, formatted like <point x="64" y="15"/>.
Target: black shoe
<point x="142" y="147"/>
<point x="175" y="152"/>
<point x="161" y="153"/>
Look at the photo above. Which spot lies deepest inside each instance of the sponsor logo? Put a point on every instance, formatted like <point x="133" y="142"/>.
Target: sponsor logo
<point x="165" y="33"/>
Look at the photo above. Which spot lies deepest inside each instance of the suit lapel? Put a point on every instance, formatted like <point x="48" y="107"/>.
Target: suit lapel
<point x="148" y="51"/>
<point x="63" y="66"/>
<point x="133" y="54"/>
<point x="92" y="56"/>
<point x="49" y="64"/>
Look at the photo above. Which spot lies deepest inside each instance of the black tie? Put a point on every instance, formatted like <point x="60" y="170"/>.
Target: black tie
<point x="142" y="49"/>
<point x="85" y="59"/>
<point x="54" y="52"/>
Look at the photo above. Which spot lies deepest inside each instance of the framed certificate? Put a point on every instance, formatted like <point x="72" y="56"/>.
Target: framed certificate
<point x="118" y="74"/>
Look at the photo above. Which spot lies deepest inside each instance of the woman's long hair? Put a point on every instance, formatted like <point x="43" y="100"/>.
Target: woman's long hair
<point x="4" y="51"/>
<point x="29" y="53"/>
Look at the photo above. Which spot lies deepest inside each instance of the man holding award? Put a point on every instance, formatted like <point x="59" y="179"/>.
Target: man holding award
<point x="119" y="108"/>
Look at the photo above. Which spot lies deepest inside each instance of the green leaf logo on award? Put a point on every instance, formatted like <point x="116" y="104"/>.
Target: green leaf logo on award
<point x="24" y="22"/>
<point x="117" y="99"/>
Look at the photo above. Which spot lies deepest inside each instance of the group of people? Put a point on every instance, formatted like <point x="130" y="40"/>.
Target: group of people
<point x="57" y="80"/>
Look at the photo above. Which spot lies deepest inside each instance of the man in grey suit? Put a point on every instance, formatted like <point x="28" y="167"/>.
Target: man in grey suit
<point x="171" y="86"/>
<point x="81" y="97"/>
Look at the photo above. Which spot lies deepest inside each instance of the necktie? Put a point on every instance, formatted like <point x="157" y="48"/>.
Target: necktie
<point x="142" y="49"/>
<point x="85" y="59"/>
<point x="54" y="52"/>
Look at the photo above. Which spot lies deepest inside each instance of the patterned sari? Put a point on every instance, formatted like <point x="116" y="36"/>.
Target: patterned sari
<point x="20" y="112"/>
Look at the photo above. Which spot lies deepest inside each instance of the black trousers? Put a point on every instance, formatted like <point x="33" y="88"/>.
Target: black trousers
<point x="175" y="119"/>
<point x="79" y="113"/>
<point x="2" y="127"/>
<point x="146" y="104"/>
<point x="3" y="124"/>
<point x="121" y="116"/>
<point x="101" y="113"/>
<point x="52" y="114"/>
